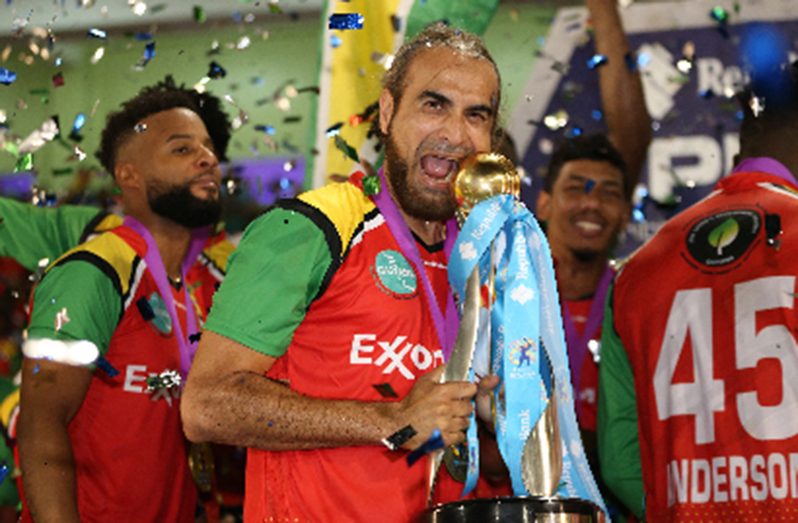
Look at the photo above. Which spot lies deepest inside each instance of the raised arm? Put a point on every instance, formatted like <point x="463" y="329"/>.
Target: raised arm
<point x="29" y="233"/>
<point x="228" y="400"/>
<point x="622" y="100"/>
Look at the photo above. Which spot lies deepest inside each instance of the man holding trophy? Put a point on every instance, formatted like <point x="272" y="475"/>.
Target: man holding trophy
<point x="323" y="351"/>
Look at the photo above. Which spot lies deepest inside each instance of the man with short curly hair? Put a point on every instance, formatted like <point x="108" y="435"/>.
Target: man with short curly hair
<point x="114" y="327"/>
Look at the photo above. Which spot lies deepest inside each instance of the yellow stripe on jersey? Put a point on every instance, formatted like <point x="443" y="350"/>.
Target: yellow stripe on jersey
<point x="344" y="204"/>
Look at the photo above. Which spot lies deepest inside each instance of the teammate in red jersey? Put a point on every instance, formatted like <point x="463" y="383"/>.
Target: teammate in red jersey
<point x="98" y="440"/>
<point x="698" y="388"/>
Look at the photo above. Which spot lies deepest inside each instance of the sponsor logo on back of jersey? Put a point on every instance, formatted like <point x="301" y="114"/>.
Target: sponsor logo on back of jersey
<point x="714" y="243"/>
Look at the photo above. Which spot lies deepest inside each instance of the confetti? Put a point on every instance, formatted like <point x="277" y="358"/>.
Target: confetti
<point x="335" y="41"/>
<point x="756" y="104"/>
<point x="97" y="33"/>
<point x="58" y="79"/>
<point x="140" y="127"/>
<point x="149" y="54"/>
<point x="7" y="77"/>
<point x="46" y="132"/>
<point x="268" y="129"/>
<point x="719" y="14"/>
<point x="345" y="148"/>
<point x="78" y="153"/>
<point x="199" y="14"/>
<point x="78" y="123"/>
<point x="138" y="8"/>
<point x="597" y="60"/>
<point x="61" y="319"/>
<point x="345" y="21"/>
<point x="243" y="43"/>
<point x="216" y="71"/>
<point x="334" y="129"/>
<point x="167" y="379"/>
<point x="556" y="121"/>
<point x="97" y="56"/>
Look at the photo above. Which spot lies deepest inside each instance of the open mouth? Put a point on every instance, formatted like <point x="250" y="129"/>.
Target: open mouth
<point x="439" y="168"/>
<point x="589" y="227"/>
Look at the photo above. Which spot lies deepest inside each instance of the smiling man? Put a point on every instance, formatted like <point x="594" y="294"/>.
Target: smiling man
<point x="110" y="334"/>
<point x="322" y="351"/>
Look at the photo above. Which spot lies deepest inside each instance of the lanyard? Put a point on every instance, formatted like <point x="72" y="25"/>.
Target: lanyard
<point x="155" y="265"/>
<point x="445" y="326"/>
<point x="577" y="345"/>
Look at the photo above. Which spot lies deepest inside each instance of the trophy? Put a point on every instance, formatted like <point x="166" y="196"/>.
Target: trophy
<point x="496" y="229"/>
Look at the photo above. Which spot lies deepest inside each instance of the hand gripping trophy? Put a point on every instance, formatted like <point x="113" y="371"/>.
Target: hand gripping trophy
<point x="502" y="274"/>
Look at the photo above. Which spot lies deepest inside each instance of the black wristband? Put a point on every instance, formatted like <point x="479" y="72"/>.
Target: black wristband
<point x="399" y="438"/>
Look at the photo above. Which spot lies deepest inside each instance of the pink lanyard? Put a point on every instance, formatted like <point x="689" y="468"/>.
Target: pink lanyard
<point x="445" y="326"/>
<point x="155" y="265"/>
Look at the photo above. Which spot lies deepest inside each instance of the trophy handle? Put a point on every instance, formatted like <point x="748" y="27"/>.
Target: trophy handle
<point x="460" y="360"/>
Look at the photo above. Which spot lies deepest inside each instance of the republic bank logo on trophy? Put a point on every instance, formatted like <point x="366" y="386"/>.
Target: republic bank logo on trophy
<point x="510" y="325"/>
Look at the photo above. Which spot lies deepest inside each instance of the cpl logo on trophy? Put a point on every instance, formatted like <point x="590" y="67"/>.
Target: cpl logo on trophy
<point x="516" y="333"/>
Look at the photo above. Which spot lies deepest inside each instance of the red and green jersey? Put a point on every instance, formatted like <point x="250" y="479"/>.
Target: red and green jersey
<point x="700" y="362"/>
<point x="321" y="284"/>
<point x="127" y="442"/>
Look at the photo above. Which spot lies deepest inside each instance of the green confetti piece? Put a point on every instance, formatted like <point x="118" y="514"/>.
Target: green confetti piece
<point x="347" y="149"/>
<point x="199" y="14"/>
<point x="25" y="163"/>
<point x="371" y="185"/>
<point x="724" y="235"/>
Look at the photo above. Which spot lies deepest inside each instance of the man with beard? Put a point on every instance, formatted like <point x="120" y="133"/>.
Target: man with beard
<point x="323" y="348"/>
<point x="114" y="326"/>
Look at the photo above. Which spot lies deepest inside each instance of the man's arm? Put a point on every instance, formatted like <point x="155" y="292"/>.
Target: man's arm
<point x="227" y="399"/>
<point x="76" y="306"/>
<point x="29" y="233"/>
<point x="51" y="396"/>
<point x="618" y="439"/>
<point x="622" y="100"/>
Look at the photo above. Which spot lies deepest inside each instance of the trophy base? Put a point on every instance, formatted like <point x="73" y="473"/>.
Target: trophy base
<point x="506" y="509"/>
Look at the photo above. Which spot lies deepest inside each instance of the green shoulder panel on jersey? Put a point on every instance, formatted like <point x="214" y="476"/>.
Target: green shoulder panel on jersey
<point x="114" y="257"/>
<point x="339" y="210"/>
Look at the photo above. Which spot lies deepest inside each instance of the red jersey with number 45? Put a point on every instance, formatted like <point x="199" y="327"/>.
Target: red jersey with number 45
<point x="711" y="336"/>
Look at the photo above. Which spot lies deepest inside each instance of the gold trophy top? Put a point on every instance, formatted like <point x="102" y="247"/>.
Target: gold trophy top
<point x="481" y="176"/>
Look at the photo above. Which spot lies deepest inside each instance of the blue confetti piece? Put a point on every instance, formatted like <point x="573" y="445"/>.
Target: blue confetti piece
<point x="58" y="61"/>
<point x="597" y="60"/>
<point x="285" y="184"/>
<point x="643" y="59"/>
<point x="597" y="115"/>
<point x="142" y="36"/>
<point x="97" y="33"/>
<point x="104" y="365"/>
<point x="589" y="186"/>
<point x="4" y="470"/>
<point x="79" y="122"/>
<point x="344" y="21"/>
<point x="638" y="216"/>
<point x="36" y="368"/>
<point x="739" y="115"/>
<point x="632" y="61"/>
<point x="574" y="132"/>
<point x="268" y="129"/>
<point x="434" y="442"/>
<point x="335" y="41"/>
<point x="706" y="94"/>
<point x="7" y="77"/>
<point x="149" y="51"/>
<point x="216" y="71"/>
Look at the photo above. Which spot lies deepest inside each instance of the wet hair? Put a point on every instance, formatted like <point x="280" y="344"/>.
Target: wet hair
<point x="435" y="35"/>
<point x="596" y="147"/>
<point x="770" y="114"/>
<point x="162" y="96"/>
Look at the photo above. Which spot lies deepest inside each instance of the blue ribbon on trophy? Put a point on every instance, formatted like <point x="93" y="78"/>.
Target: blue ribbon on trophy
<point x="501" y="271"/>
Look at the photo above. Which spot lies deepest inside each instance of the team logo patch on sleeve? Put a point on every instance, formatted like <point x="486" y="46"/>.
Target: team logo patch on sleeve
<point x="714" y="242"/>
<point x="394" y="275"/>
